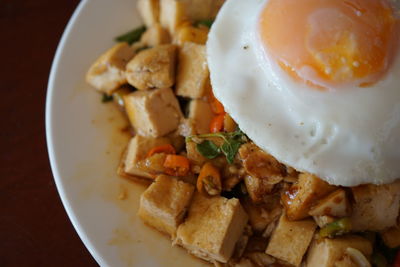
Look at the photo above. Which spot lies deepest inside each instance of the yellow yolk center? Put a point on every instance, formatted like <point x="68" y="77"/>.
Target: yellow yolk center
<point x="328" y="43"/>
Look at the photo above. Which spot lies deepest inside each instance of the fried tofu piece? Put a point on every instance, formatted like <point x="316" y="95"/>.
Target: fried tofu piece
<point x="137" y="150"/>
<point x="107" y="73"/>
<point x="164" y="204"/>
<point x="391" y="236"/>
<point x="302" y="195"/>
<point x="192" y="75"/>
<point x="212" y="228"/>
<point x="290" y="240"/>
<point x="155" y="35"/>
<point x="153" y="113"/>
<point x="261" y="165"/>
<point x="261" y="215"/>
<point x="189" y="33"/>
<point x="335" y="204"/>
<point x="200" y="116"/>
<point x="153" y="68"/>
<point x="175" y="12"/>
<point x="376" y="207"/>
<point x="257" y="188"/>
<point x="149" y="10"/>
<point x="325" y="252"/>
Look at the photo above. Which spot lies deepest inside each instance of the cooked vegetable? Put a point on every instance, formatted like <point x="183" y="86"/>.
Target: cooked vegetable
<point x="106" y="98"/>
<point x="231" y="145"/>
<point x="208" y="149"/>
<point x="206" y="22"/>
<point x="131" y="36"/>
<point x="209" y="180"/>
<point x="176" y="165"/>
<point x="217" y="124"/>
<point x="336" y="228"/>
<point x="216" y="106"/>
<point x="167" y="149"/>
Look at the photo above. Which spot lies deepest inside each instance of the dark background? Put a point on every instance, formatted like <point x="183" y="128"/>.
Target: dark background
<point x="34" y="227"/>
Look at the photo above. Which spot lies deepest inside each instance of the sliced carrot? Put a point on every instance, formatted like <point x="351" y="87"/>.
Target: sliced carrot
<point x="217" y="124"/>
<point x="176" y="165"/>
<point x="209" y="180"/>
<point x="167" y="149"/>
<point x="216" y="106"/>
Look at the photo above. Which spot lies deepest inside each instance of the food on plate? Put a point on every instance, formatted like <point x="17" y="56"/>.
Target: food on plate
<point x="268" y="137"/>
<point x="314" y="83"/>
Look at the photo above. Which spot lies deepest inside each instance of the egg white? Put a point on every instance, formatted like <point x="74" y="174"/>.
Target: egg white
<point x="346" y="137"/>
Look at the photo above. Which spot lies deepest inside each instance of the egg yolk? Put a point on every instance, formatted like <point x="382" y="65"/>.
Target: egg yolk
<point x="329" y="43"/>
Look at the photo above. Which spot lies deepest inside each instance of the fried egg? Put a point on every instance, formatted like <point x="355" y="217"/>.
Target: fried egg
<point x="315" y="83"/>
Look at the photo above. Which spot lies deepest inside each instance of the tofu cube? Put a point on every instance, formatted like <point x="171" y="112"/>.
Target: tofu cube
<point x="302" y="195"/>
<point x="376" y="207"/>
<point x="108" y="72"/>
<point x="149" y="10"/>
<point x="153" y="113"/>
<point x="175" y="12"/>
<point x="188" y="33"/>
<point x="153" y="68"/>
<point x="137" y="150"/>
<point x="200" y="116"/>
<point x="290" y="240"/>
<point x="261" y="165"/>
<point x="391" y="237"/>
<point x="212" y="228"/>
<point x="164" y="204"/>
<point x="192" y="74"/>
<point x="335" y="204"/>
<point x="155" y="35"/>
<point x="257" y="188"/>
<point x="326" y="252"/>
<point x="260" y="216"/>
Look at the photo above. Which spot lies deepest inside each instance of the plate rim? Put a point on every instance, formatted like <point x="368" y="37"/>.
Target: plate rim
<point x="49" y="134"/>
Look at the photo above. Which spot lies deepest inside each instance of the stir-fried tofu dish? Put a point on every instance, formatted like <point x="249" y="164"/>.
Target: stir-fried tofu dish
<point x="232" y="124"/>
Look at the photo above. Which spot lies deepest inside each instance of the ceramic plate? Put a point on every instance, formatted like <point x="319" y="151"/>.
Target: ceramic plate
<point x="85" y="141"/>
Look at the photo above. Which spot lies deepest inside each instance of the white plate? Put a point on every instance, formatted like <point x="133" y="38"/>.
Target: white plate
<point x="85" y="140"/>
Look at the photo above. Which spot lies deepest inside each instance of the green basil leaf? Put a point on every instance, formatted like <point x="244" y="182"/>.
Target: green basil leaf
<point x="230" y="147"/>
<point x="230" y="150"/>
<point x="131" y="36"/>
<point x="208" y="149"/>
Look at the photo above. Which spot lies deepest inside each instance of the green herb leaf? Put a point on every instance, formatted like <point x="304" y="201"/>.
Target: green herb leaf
<point x="208" y="149"/>
<point x="131" y="36"/>
<point x="206" y="22"/>
<point x="106" y="98"/>
<point x="140" y="49"/>
<point x="230" y="147"/>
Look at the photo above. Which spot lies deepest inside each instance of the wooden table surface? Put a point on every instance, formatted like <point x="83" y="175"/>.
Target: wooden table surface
<point x="34" y="227"/>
